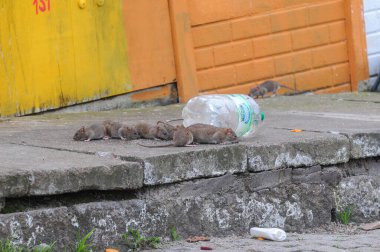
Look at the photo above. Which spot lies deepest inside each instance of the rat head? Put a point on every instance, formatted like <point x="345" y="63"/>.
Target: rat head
<point x="255" y="91"/>
<point x="189" y="136"/>
<point x="183" y="135"/>
<point x="81" y="134"/>
<point x="230" y="135"/>
<point x="162" y="133"/>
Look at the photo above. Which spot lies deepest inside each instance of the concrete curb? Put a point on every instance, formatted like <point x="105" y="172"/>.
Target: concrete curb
<point x="46" y="175"/>
<point x="182" y="165"/>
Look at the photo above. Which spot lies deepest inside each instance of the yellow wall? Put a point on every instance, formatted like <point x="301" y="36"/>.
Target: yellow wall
<point x="71" y="51"/>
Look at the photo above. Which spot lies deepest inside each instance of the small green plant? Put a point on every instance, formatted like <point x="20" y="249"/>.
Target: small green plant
<point x="173" y="234"/>
<point x="7" y="246"/>
<point x="152" y="242"/>
<point x="135" y="242"/>
<point x="344" y="216"/>
<point x="82" y="244"/>
<point x="132" y="238"/>
<point x="44" y="247"/>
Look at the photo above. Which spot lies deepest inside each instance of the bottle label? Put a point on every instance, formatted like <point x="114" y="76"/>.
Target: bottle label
<point x="245" y="113"/>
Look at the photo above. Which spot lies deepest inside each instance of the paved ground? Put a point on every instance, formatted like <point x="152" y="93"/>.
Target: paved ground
<point x="38" y="145"/>
<point x="321" y="242"/>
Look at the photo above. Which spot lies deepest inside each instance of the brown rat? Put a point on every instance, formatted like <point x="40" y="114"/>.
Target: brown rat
<point x="209" y="134"/>
<point x="112" y="128"/>
<point x="127" y="132"/>
<point x="269" y="86"/>
<point x="181" y="137"/>
<point x="93" y="132"/>
<point x="165" y="130"/>
<point x="149" y="131"/>
<point x="146" y="130"/>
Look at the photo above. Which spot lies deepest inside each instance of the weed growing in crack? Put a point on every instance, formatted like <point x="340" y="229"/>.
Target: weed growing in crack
<point x="44" y="247"/>
<point x="344" y="216"/>
<point x="7" y="246"/>
<point x="173" y="234"/>
<point x="82" y="244"/>
<point x="134" y="241"/>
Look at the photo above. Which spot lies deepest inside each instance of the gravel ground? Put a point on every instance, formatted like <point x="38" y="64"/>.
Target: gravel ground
<point x="332" y="238"/>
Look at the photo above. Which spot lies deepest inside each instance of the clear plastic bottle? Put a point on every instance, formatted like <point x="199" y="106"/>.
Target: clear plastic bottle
<point x="236" y="111"/>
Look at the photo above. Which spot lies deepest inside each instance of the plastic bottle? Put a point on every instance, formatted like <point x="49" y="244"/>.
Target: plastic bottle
<point x="274" y="234"/>
<point x="236" y="111"/>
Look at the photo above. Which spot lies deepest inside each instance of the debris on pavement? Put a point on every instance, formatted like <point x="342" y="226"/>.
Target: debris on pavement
<point x="206" y="248"/>
<point x="197" y="238"/>
<point x="274" y="234"/>
<point x="370" y="226"/>
<point x="296" y="130"/>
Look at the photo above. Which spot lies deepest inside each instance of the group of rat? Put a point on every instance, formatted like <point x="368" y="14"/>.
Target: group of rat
<point x="180" y="135"/>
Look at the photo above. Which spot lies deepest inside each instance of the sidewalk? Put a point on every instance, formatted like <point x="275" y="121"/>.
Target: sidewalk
<point x="317" y="242"/>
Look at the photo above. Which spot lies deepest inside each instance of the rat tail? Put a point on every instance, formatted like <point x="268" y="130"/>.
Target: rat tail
<point x="155" y="146"/>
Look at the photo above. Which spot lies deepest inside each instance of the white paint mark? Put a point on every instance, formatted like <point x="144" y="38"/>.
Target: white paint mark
<point x="102" y="223"/>
<point x="208" y="212"/>
<point x="366" y="146"/>
<point x="29" y="220"/>
<point x="309" y="216"/>
<point x="342" y="154"/>
<point x="293" y="210"/>
<point x="257" y="162"/>
<point x="223" y="218"/>
<point x="149" y="176"/>
<point x="286" y="159"/>
<point x="74" y="221"/>
<point x="16" y="232"/>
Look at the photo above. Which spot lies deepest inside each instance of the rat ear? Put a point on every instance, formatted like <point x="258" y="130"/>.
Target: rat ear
<point x="229" y="131"/>
<point x="82" y="129"/>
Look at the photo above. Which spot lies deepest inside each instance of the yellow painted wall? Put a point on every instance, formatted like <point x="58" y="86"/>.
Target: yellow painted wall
<point x="55" y="53"/>
<point x="61" y="55"/>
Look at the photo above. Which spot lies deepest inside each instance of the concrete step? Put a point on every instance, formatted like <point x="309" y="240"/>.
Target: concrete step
<point x="277" y="178"/>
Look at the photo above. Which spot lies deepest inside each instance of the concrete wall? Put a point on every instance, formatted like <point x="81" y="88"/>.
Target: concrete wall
<point x="372" y="26"/>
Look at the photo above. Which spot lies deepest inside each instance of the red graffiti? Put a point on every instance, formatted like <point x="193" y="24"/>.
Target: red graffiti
<point x="41" y="5"/>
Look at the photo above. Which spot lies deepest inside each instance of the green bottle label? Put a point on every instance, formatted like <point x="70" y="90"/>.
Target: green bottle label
<point x="245" y="113"/>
